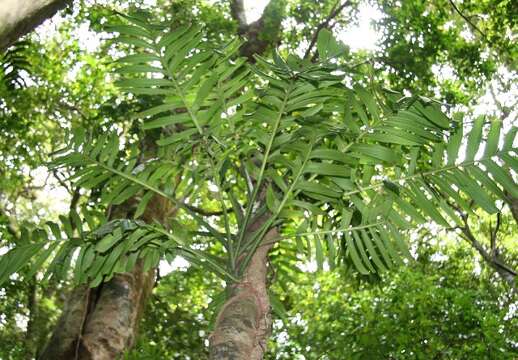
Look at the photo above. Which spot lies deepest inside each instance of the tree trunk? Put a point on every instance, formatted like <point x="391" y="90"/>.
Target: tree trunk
<point x="18" y="17"/>
<point x="101" y="323"/>
<point x="243" y="325"/>
<point x="507" y="273"/>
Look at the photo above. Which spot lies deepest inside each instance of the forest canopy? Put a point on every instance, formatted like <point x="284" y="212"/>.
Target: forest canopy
<point x="283" y="179"/>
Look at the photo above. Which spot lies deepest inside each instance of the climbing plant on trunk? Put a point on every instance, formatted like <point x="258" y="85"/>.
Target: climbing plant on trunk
<point x="288" y="153"/>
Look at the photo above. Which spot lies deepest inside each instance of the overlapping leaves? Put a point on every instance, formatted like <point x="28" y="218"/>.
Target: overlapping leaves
<point x="341" y="171"/>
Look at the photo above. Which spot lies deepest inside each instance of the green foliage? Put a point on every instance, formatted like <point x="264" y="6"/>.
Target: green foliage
<point x="429" y="309"/>
<point x="12" y="63"/>
<point x="342" y="167"/>
<point x="281" y="135"/>
<point x="420" y="35"/>
<point x="439" y="305"/>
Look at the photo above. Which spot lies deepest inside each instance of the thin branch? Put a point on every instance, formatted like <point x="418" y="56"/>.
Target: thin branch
<point x="457" y="10"/>
<point x="62" y="182"/>
<point x="506" y="272"/>
<point x="337" y="8"/>
<point x="73" y="108"/>
<point x="493" y="234"/>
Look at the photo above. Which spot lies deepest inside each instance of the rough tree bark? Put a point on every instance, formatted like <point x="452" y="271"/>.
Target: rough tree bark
<point x="262" y="33"/>
<point x="102" y="323"/>
<point x="18" y="17"/>
<point x="243" y="324"/>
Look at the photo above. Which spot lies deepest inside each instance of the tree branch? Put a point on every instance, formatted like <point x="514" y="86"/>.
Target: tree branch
<point x="337" y="8"/>
<point x="493" y="233"/>
<point x="237" y="10"/>
<point x="506" y="273"/>
<point x="19" y="17"/>
<point x="466" y="18"/>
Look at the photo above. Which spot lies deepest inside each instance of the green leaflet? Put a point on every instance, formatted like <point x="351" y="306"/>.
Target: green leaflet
<point x="357" y="107"/>
<point x="454" y="145"/>
<point x="329" y="154"/>
<point x="400" y="242"/>
<point x="509" y="139"/>
<point x="377" y="152"/>
<point x="205" y="89"/>
<point x="502" y="177"/>
<point x="277" y="305"/>
<point x="361" y="250"/>
<point x="492" y="138"/>
<point x="167" y="39"/>
<point x="353" y="253"/>
<point x="139" y="68"/>
<point x="369" y="101"/>
<point x="485" y="180"/>
<point x="438" y="155"/>
<point x="181" y="136"/>
<point x="410" y="210"/>
<point x="164" y="121"/>
<point x="16" y="258"/>
<point x="319" y="253"/>
<point x="331" y="251"/>
<point x="327" y="169"/>
<point x="474" y="138"/>
<point x="433" y="113"/>
<point x="372" y="252"/>
<point x="129" y="191"/>
<point x="317" y="188"/>
<point x="141" y="58"/>
<point x="428" y="207"/>
<point x="392" y="136"/>
<point x="470" y="187"/>
<point x="445" y="187"/>
<point x="136" y="83"/>
<point x="411" y="126"/>
<point x="390" y="253"/>
<point x="108" y="241"/>
<point x="416" y="118"/>
<point x="134" y="41"/>
<point x="143" y="204"/>
<point x="154" y="110"/>
<point x="39" y="260"/>
<point x="272" y="202"/>
<point x="510" y="160"/>
<point x="130" y="30"/>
